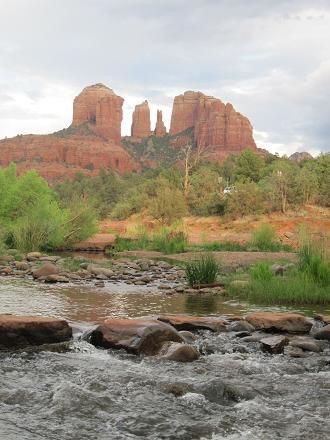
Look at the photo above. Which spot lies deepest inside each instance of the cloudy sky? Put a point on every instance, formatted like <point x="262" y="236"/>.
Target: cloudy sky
<point x="270" y="59"/>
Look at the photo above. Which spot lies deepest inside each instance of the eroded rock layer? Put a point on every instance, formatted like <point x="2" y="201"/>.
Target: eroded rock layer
<point x="56" y="157"/>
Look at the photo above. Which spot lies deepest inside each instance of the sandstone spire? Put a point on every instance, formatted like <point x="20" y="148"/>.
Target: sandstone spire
<point x="141" y="121"/>
<point x="160" y="129"/>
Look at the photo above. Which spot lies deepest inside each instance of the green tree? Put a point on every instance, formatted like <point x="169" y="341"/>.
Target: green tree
<point x="245" y="199"/>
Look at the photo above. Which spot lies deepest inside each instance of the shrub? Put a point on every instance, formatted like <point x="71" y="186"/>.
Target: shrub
<point x="168" y="205"/>
<point x="202" y="271"/>
<point x="264" y="239"/>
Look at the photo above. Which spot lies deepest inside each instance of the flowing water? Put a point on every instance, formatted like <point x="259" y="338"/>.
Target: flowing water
<point x="233" y="392"/>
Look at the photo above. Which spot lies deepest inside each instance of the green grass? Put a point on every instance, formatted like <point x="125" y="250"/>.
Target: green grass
<point x="218" y="246"/>
<point x="261" y="271"/>
<point x="264" y="240"/>
<point x="202" y="271"/>
<point x="294" y="290"/>
<point x="166" y="240"/>
<point x="308" y="283"/>
<point x="72" y="264"/>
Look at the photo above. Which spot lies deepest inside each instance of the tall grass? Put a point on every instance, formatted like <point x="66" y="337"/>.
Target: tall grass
<point x="264" y="239"/>
<point x="314" y="262"/>
<point x="202" y="271"/>
<point x="168" y="240"/>
<point x="261" y="271"/>
<point x="294" y="290"/>
<point x="308" y="283"/>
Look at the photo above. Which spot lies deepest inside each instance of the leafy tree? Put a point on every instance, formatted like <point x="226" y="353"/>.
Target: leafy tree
<point x="168" y="203"/>
<point x="245" y="199"/>
<point x="248" y="166"/>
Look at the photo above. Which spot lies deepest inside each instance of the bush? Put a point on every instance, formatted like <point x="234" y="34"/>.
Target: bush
<point x="264" y="239"/>
<point x="202" y="271"/>
<point x="169" y="241"/>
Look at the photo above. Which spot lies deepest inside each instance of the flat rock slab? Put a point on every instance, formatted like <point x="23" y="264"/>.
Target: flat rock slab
<point x="187" y="322"/>
<point x="284" y="322"/>
<point x="22" y="331"/>
<point x="137" y="336"/>
<point x="274" y="344"/>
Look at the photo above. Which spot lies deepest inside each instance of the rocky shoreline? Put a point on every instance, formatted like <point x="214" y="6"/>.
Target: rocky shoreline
<point x="158" y="274"/>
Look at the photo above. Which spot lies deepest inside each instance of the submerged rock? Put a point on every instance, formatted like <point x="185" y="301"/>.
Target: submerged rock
<point x="274" y="344"/>
<point x="137" y="336"/>
<point x="21" y="331"/>
<point x="173" y="351"/>
<point x="186" y="322"/>
<point x="285" y="322"/>
<point x="306" y="344"/>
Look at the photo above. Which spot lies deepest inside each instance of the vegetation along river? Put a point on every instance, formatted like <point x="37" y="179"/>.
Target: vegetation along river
<point x="235" y="391"/>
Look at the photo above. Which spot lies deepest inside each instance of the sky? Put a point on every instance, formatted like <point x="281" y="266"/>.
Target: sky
<point x="270" y="59"/>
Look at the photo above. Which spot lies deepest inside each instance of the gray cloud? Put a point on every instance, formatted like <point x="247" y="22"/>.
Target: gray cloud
<point x="270" y="59"/>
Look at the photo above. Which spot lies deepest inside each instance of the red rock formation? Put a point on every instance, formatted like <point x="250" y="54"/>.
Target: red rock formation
<point x="63" y="155"/>
<point x="214" y="124"/>
<point x="141" y="121"/>
<point x="101" y="108"/>
<point x="160" y="129"/>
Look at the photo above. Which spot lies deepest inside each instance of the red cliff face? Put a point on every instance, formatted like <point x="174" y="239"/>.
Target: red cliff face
<point x="214" y="124"/>
<point x="160" y="129"/>
<point x="101" y="108"/>
<point x="91" y="143"/>
<point x="61" y="156"/>
<point x="141" y="121"/>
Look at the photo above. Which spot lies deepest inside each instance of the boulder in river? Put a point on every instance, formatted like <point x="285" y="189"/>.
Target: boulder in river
<point x="32" y="256"/>
<point x="187" y="322"/>
<point x="275" y="321"/>
<point x="274" y="344"/>
<point x="22" y="331"/>
<point x="45" y="270"/>
<point x="323" y="318"/>
<point x="241" y="326"/>
<point x="323" y="333"/>
<point x="173" y="351"/>
<point x="137" y="336"/>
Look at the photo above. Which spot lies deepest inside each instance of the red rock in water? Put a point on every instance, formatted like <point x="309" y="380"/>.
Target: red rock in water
<point x="214" y="124"/>
<point x="101" y="108"/>
<point x="141" y="121"/>
<point x="160" y="129"/>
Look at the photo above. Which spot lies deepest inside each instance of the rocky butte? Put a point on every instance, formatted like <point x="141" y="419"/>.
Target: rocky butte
<point x="216" y="126"/>
<point x="93" y="140"/>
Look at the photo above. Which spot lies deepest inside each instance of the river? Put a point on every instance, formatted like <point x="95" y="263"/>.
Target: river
<point x="233" y="392"/>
